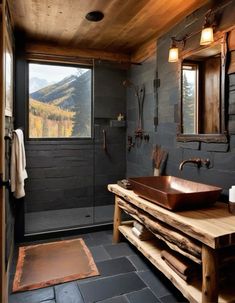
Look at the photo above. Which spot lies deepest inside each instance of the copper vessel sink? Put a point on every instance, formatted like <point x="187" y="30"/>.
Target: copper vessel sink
<point x="175" y="193"/>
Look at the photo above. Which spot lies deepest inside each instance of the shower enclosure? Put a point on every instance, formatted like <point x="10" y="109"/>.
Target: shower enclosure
<point x="67" y="184"/>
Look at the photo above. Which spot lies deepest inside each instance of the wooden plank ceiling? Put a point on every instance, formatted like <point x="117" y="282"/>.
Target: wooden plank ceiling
<point x="126" y="27"/>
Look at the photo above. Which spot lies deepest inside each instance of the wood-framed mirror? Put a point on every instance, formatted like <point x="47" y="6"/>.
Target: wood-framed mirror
<point x="202" y="102"/>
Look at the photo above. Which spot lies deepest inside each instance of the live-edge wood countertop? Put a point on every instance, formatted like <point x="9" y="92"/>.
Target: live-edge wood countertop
<point x="213" y="226"/>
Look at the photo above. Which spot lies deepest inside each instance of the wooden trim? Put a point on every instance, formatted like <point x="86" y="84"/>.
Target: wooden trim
<point x="223" y="88"/>
<point x="212" y="138"/>
<point x="145" y="51"/>
<point x="46" y="50"/>
<point x="58" y="59"/>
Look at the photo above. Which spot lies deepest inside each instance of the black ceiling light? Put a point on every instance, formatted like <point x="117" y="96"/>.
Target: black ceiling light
<point x="95" y="16"/>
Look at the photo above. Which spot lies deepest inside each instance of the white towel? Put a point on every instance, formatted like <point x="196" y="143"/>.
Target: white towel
<point x="18" y="164"/>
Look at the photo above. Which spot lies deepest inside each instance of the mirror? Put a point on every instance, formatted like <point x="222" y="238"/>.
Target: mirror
<point x="202" y="106"/>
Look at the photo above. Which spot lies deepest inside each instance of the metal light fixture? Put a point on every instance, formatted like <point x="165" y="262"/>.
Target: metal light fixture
<point x="207" y="34"/>
<point x="174" y="49"/>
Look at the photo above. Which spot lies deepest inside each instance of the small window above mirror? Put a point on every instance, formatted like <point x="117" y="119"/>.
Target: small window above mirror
<point x="202" y="95"/>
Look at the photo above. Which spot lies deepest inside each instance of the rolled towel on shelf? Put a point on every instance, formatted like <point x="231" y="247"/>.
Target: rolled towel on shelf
<point x="144" y="234"/>
<point x="184" y="277"/>
<point x="185" y="268"/>
<point x="139" y="226"/>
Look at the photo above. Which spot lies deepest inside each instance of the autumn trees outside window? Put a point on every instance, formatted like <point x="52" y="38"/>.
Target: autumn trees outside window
<point x="60" y="101"/>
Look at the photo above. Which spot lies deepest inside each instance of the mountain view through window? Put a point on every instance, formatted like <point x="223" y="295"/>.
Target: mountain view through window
<point x="59" y="101"/>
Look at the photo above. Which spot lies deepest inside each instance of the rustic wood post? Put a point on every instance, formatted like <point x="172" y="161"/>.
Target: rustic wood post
<point x="116" y="221"/>
<point x="209" y="275"/>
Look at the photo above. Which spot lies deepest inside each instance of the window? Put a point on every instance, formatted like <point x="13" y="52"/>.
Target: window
<point x="60" y="101"/>
<point x="190" y="98"/>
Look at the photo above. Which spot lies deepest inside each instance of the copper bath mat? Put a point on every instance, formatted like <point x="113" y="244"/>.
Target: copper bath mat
<point x="52" y="263"/>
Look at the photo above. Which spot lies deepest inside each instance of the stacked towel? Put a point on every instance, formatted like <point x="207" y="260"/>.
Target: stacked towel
<point x="141" y="232"/>
<point x="185" y="268"/>
<point x="18" y="164"/>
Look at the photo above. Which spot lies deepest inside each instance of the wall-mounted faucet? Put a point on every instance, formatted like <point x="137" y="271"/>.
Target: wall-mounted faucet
<point x="198" y="161"/>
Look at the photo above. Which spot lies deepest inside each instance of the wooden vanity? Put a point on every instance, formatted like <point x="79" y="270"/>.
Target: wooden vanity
<point x="213" y="228"/>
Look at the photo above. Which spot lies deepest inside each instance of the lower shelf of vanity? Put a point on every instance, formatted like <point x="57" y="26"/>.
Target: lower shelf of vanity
<point x="152" y="251"/>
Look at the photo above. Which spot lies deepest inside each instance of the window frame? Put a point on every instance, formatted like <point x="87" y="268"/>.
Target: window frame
<point x="63" y="139"/>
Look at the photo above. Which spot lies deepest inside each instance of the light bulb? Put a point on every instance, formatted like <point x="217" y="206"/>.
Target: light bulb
<point x="173" y="54"/>
<point x="207" y="36"/>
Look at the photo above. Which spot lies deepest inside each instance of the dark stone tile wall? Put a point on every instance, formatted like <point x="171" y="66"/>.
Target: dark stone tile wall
<point x="222" y="156"/>
<point x="139" y="161"/>
<point x="109" y="93"/>
<point x="60" y="175"/>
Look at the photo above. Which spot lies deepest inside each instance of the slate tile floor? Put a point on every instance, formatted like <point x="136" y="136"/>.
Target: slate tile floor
<point x="125" y="277"/>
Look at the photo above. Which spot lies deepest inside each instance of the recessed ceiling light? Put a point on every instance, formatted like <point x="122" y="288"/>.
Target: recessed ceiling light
<point x="95" y="16"/>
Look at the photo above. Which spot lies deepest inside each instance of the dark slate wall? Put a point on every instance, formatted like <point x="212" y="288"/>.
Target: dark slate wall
<point x="139" y="161"/>
<point x="74" y="173"/>
<point x="222" y="156"/>
<point x="60" y="175"/>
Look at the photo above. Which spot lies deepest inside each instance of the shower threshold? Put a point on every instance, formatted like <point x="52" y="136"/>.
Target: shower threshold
<point x="66" y="219"/>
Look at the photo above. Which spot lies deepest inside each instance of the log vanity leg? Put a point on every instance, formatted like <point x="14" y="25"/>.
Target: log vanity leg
<point x="209" y="275"/>
<point x="116" y="221"/>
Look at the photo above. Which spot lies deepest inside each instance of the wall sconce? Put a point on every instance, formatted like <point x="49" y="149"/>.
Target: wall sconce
<point x="174" y="49"/>
<point x="207" y="35"/>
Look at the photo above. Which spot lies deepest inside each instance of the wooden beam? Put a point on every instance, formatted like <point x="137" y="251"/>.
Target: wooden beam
<point x="145" y="51"/>
<point x="46" y="49"/>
